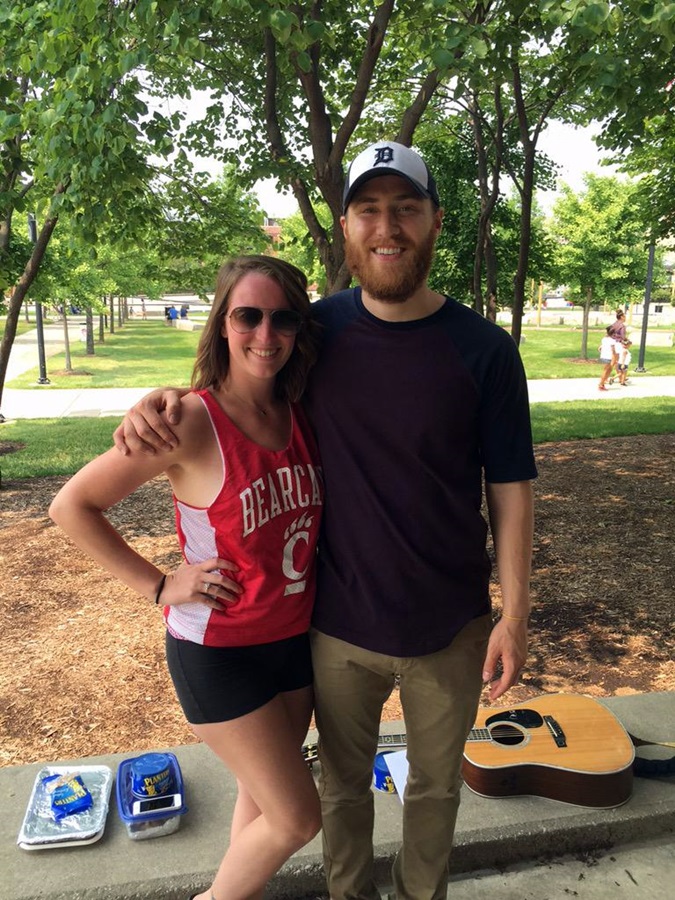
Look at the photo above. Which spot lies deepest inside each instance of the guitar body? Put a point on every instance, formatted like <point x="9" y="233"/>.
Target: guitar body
<point x="561" y="746"/>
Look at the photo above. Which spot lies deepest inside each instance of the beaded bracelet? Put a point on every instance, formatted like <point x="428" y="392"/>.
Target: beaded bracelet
<point x="515" y="618"/>
<point x="160" y="589"/>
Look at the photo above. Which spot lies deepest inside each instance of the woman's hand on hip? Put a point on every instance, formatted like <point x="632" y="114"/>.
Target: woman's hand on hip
<point x="202" y="582"/>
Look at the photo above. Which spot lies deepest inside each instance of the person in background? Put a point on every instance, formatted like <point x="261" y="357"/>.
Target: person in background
<point x="618" y="327"/>
<point x="248" y="495"/>
<point x="414" y="399"/>
<point x="624" y="361"/>
<point x="618" y="332"/>
<point x="607" y="357"/>
<point x="171" y="314"/>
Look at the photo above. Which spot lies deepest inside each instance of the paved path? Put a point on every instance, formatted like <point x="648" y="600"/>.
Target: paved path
<point x="47" y="401"/>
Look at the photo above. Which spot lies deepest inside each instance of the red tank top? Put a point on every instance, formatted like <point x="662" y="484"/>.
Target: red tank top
<point x="265" y="519"/>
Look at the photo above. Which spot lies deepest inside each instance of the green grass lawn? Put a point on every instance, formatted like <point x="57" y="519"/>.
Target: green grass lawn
<point x="585" y="419"/>
<point x="21" y="326"/>
<point x="147" y="353"/>
<point x="141" y="354"/>
<point x="31" y="448"/>
<point x="554" y="353"/>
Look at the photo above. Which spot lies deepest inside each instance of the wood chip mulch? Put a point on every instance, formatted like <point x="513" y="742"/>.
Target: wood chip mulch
<point x="83" y="672"/>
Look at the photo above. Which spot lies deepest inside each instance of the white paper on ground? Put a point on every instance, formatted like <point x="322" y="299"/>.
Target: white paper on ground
<point x="397" y="763"/>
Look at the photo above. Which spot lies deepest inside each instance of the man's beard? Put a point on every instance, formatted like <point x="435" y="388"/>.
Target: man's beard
<point x="398" y="286"/>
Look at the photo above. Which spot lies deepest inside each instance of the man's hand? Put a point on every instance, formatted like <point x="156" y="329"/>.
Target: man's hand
<point x="506" y="655"/>
<point x="145" y="427"/>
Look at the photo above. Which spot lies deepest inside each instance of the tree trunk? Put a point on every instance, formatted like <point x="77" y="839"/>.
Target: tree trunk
<point x="101" y="328"/>
<point x="112" y="314"/>
<point x="584" y="323"/>
<point x="490" y="276"/>
<point x="90" y="332"/>
<point x="477" y="279"/>
<point x="526" y="189"/>
<point x="488" y="184"/>
<point x="19" y="294"/>
<point x="520" y="279"/>
<point x="66" y="341"/>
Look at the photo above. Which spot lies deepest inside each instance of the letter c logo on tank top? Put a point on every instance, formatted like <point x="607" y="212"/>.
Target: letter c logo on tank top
<point x="293" y="534"/>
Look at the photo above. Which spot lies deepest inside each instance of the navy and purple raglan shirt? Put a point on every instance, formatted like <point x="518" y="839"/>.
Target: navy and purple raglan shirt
<point x="409" y="417"/>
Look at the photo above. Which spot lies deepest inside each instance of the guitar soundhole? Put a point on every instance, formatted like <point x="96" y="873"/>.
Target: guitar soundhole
<point x="507" y="734"/>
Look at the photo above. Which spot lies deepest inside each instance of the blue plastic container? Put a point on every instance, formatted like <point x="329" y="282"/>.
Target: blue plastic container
<point x="150" y="816"/>
<point x="151" y="775"/>
<point x="382" y="780"/>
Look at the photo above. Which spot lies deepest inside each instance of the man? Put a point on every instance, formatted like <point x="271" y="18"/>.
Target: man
<point x="414" y="398"/>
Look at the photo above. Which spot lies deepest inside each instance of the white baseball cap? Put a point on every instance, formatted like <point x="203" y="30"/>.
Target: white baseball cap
<point x="389" y="158"/>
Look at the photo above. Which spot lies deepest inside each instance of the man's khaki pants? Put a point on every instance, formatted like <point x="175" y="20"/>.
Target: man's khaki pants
<point x="439" y="695"/>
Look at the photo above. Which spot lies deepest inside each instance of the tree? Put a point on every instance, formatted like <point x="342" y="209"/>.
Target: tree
<point x="290" y="84"/>
<point x="637" y="107"/>
<point x="297" y="247"/>
<point x="601" y="244"/>
<point x="452" y="158"/>
<point x="75" y="137"/>
<point x="204" y="221"/>
<point x="293" y="87"/>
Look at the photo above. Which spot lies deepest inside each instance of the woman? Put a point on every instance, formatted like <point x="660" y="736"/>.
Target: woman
<point x="617" y="330"/>
<point x="247" y="488"/>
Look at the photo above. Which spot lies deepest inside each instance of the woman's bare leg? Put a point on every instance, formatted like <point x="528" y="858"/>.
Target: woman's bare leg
<point x="262" y="749"/>
<point x="605" y="374"/>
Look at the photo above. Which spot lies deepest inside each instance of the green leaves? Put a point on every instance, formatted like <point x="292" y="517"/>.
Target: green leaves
<point x="282" y="23"/>
<point x="601" y="239"/>
<point x="591" y="15"/>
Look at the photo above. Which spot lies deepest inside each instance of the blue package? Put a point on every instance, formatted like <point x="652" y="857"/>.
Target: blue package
<point x="69" y="795"/>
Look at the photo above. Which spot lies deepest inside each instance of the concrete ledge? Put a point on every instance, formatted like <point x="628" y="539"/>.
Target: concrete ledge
<point x="490" y="833"/>
<point x="187" y="325"/>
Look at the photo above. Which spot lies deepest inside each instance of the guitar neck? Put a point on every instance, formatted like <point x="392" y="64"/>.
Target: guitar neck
<point x="391" y="740"/>
<point x="310" y="752"/>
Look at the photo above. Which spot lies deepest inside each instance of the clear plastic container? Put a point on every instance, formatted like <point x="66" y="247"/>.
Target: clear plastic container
<point x="142" y="821"/>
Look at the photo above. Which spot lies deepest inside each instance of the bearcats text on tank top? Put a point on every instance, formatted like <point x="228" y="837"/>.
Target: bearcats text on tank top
<point x="265" y="519"/>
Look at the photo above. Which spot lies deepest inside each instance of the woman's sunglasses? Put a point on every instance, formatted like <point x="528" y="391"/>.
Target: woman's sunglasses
<point x="247" y="318"/>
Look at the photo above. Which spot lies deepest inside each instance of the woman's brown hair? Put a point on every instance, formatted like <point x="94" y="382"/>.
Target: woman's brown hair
<point x="213" y="355"/>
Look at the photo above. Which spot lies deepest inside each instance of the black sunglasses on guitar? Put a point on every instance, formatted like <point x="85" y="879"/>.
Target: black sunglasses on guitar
<point x="247" y="318"/>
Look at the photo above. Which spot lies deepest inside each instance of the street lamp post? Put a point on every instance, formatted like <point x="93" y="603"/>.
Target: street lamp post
<point x="42" y="358"/>
<point x="645" y="309"/>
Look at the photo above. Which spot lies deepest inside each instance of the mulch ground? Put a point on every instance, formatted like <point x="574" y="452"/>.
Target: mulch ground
<point x="83" y="672"/>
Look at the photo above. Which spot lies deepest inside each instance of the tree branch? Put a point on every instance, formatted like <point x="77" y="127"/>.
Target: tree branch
<point x="373" y="48"/>
<point x="417" y="108"/>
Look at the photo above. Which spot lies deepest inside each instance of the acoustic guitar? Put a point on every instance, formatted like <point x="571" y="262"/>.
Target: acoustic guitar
<point x="561" y="746"/>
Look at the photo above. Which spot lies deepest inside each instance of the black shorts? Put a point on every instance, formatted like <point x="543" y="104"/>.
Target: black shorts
<point x="215" y="684"/>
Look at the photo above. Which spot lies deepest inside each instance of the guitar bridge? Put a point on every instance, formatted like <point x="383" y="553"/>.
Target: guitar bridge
<point x="557" y="733"/>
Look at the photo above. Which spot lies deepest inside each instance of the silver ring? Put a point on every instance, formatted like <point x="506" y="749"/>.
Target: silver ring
<point x="206" y="586"/>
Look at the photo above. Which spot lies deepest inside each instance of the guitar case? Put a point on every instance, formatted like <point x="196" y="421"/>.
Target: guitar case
<point x="650" y="723"/>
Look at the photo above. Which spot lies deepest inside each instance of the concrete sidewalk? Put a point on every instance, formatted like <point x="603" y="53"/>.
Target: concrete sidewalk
<point x="50" y="402"/>
<point x="499" y="853"/>
<point x="47" y="402"/>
